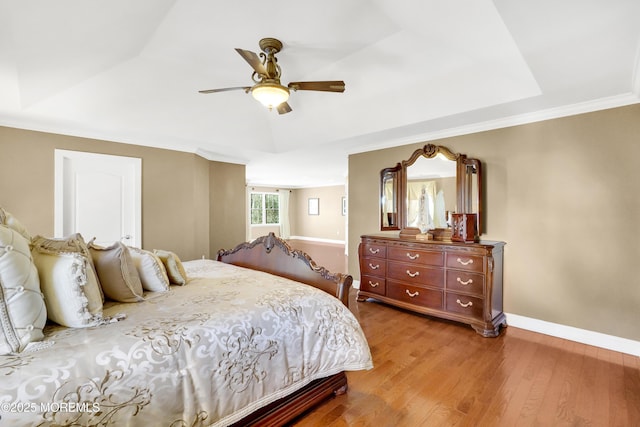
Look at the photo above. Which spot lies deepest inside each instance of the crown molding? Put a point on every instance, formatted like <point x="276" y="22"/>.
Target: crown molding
<point x="621" y="100"/>
<point x="216" y="157"/>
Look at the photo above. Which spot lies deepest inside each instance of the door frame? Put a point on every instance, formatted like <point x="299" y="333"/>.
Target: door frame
<point x="136" y="163"/>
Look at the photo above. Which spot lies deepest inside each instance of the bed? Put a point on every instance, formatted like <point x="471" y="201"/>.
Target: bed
<point x="256" y="337"/>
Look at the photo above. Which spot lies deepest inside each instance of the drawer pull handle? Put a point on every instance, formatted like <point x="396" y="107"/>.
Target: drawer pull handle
<point x="416" y="256"/>
<point x="374" y="251"/>
<point x="464" y="282"/>
<point x="465" y="262"/>
<point x="469" y="304"/>
<point x="412" y="295"/>
<point x="417" y="273"/>
<point x="374" y="267"/>
<point x="373" y="285"/>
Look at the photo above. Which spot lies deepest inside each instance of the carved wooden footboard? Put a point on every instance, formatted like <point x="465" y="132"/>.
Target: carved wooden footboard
<point x="273" y="255"/>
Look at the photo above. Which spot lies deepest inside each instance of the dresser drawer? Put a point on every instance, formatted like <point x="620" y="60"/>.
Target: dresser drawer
<point x="423" y="297"/>
<point x="416" y="256"/>
<point x="463" y="304"/>
<point x="472" y="283"/>
<point x="415" y="273"/>
<point x="373" y="266"/>
<point x="464" y="261"/>
<point x="375" y="250"/>
<point x="376" y="285"/>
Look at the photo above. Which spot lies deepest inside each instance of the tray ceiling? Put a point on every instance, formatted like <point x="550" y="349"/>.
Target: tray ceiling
<point x="414" y="70"/>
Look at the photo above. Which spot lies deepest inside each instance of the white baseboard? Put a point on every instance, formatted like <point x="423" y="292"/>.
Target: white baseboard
<point x="317" y="239"/>
<point x="597" y="339"/>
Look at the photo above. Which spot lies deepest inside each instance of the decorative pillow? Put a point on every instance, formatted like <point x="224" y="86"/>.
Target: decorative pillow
<point x="153" y="274"/>
<point x="174" y="267"/>
<point x="74" y="243"/>
<point x="117" y="272"/>
<point x="10" y="221"/>
<point x="23" y="313"/>
<point x="70" y="287"/>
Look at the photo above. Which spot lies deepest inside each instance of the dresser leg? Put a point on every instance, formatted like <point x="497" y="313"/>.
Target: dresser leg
<point x="487" y="333"/>
<point x="491" y="332"/>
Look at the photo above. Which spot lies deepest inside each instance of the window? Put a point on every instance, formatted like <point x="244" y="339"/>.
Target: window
<point x="265" y="208"/>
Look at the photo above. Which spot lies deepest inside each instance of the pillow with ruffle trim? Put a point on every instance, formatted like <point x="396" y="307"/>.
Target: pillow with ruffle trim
<point x="70" y="287"/>
<point x="23" y="312"/>
<point x="74" y="243"/>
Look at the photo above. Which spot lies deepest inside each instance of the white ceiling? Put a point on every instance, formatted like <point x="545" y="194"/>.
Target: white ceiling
<point x="130" y="71"/>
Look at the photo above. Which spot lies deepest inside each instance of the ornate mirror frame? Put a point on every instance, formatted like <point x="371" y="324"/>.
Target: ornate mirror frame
<point x="393" y="205"/>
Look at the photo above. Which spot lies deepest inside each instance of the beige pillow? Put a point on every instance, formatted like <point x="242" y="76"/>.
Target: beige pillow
<point x="23" y="313"/>
<point x="55" y="265"/>
<point x="153" y="274"/>
<point x="117" y="273"/>
<point x="174" y="267"/>
<point x="70" y="288"/>
<point x="12" y="222"/>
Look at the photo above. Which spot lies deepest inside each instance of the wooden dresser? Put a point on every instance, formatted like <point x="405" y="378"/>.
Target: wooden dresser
<point x="450" y="280"/>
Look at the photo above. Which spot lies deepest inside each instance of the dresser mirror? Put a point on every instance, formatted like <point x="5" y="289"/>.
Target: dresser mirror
<point x="422" y="192"/>
<point x="390" y="198"/>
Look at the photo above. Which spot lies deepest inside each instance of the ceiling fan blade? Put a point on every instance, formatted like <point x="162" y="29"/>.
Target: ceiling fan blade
<point x="283" y="108"/>
<point x="253" y="60"/>
<point x="327" y="86"/>
<point x="225" y="89"/>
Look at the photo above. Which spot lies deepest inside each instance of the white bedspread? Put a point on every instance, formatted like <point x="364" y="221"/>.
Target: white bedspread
<point x="208" y="353"/>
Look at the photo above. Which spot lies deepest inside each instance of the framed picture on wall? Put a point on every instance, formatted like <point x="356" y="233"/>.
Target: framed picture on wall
<point x="344" y="206"/>
<point x="314" y="206"/>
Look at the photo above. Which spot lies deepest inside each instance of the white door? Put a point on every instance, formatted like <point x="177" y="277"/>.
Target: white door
<point x="98" y="195"/>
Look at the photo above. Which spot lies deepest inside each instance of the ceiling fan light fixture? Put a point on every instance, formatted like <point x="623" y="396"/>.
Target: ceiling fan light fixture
<point x="270" y="94"/>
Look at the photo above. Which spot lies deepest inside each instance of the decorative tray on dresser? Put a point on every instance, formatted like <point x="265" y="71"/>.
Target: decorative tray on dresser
<point x="450" y="280"/>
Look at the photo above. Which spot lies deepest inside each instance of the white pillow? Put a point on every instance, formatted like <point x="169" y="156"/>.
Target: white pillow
<point x="174" y="267"/>
<point x="12" y="222"/>
<point x="153" y="274"/>
<point x="22" y="310"/>
<point x="117" y="273"/>
<point x="70" y="287"/>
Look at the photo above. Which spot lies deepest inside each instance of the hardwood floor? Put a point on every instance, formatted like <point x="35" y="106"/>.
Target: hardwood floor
<point x="430" y="372"/>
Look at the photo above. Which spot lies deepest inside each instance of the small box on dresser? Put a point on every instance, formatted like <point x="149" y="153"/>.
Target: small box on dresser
<point x="464" y="227"/>
<point x="451" y="280"/>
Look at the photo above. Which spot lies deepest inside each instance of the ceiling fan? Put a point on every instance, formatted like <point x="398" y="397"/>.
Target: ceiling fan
<point x="266" y="76"/>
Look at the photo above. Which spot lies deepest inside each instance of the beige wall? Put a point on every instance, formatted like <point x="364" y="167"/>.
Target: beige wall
<point x="330" y="224"/>
<point x="564" y="195"/>
<point x="176" y="214"/>
<point x="227" y="206"/>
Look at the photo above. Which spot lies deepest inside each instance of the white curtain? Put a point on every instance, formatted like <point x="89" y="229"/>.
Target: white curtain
<point x="439" y="215"/>
<point x="285" y="227"/>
